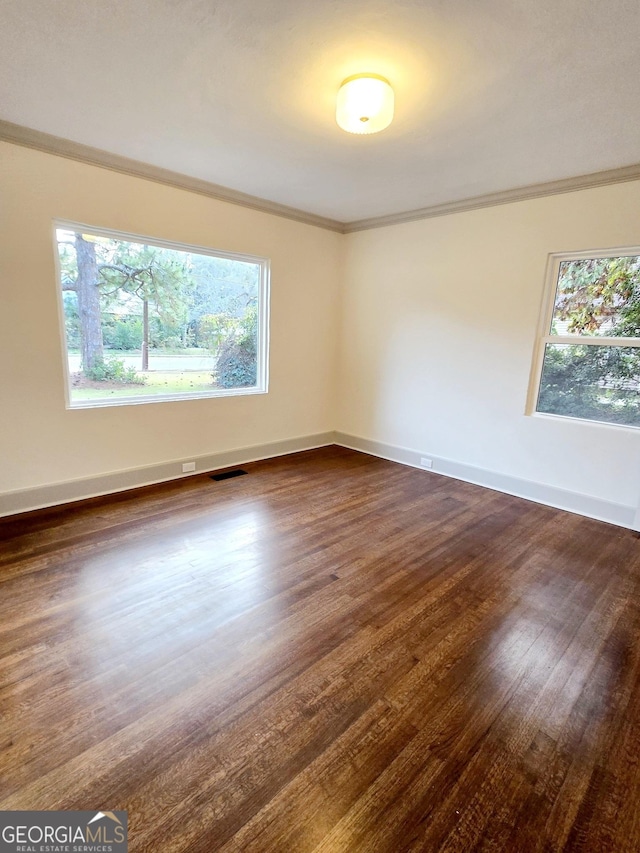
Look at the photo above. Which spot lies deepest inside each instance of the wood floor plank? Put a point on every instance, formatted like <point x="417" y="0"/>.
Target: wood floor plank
<point x="334" y="653"/>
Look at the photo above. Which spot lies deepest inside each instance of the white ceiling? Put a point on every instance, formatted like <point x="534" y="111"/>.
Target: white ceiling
<point x="490" y="94"/>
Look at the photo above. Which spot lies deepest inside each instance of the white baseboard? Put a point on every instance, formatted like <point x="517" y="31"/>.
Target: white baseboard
<point x="73" y="490"/>
<point x="592" y="507"/>
<point x="25" y="500"/>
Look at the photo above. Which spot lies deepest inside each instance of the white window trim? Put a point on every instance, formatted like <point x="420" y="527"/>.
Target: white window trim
<point x="262" y="378"/>
<point x="543" y="336"/>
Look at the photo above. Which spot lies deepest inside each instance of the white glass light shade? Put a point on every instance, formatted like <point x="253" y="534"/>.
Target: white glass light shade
<point x="365" y="104"/>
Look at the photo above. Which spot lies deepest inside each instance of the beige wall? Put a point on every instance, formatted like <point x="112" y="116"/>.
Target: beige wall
<point x="42" y="442"/>
<point x="438" y="326"/>
<point x="417" y="336"/>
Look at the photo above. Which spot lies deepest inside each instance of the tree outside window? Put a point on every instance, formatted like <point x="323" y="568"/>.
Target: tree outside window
<point x="590" y="354"/>
<point x="145" y="320"/>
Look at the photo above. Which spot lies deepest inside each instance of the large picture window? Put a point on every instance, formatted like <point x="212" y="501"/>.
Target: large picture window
<point x="588" y="357"/>
<point x="146" y="320"/>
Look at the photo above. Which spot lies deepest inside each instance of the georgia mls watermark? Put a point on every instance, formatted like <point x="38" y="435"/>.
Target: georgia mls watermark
<point x="63" y="832"/>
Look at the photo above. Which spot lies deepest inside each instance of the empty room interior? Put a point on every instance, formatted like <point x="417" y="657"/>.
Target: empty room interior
<point x="320" y="426"/>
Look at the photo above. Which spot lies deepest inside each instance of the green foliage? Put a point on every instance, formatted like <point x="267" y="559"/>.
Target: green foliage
<point x="129" y="277"/>
<point x="595" y="297"/>
<point x="628" y="326"/>
<point x="222" y="286"/>
<point x="122" y="333"/>
<point x="165" y="334"/>
<point x="71" y="319"/>
<point x="600" y="296"/>
<point x="236" y="365"/>
<point x="114" y="370"/>
<point x="170" y="342"/>
<point x="159" y="276"/>
<point x="592" y="382"/>
<point x="569" y="381"/>
<point x="134" y="295"/>
<point x="213" y="329"/>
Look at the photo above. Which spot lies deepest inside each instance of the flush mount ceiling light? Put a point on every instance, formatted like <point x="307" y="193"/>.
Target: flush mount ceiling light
<point x="365" y="104"/>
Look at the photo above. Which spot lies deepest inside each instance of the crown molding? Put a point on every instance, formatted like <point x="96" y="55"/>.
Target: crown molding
<point x="566" y="185"/>
<point x="40" y="141"/>
<point x="29" y="138"/>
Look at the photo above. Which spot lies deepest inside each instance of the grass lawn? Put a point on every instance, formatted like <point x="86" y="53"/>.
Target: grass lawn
<point x="155" y="383"/>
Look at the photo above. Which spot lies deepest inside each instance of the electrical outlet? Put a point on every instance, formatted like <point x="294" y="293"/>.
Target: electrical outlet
<point x="188" y="466"/>
<point x="426" y="463"/>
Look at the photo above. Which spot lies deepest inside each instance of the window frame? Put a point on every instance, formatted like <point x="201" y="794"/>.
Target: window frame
<point x="264" y="291"/>
<point x="544" y="337"/>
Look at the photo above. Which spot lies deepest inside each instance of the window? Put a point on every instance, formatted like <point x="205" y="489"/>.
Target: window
<point x="587" y="363"/>
<point x="145" y="320"/>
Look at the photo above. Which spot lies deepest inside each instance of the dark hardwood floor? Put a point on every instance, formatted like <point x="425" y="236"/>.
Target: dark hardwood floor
<point x="334" y="653"/>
